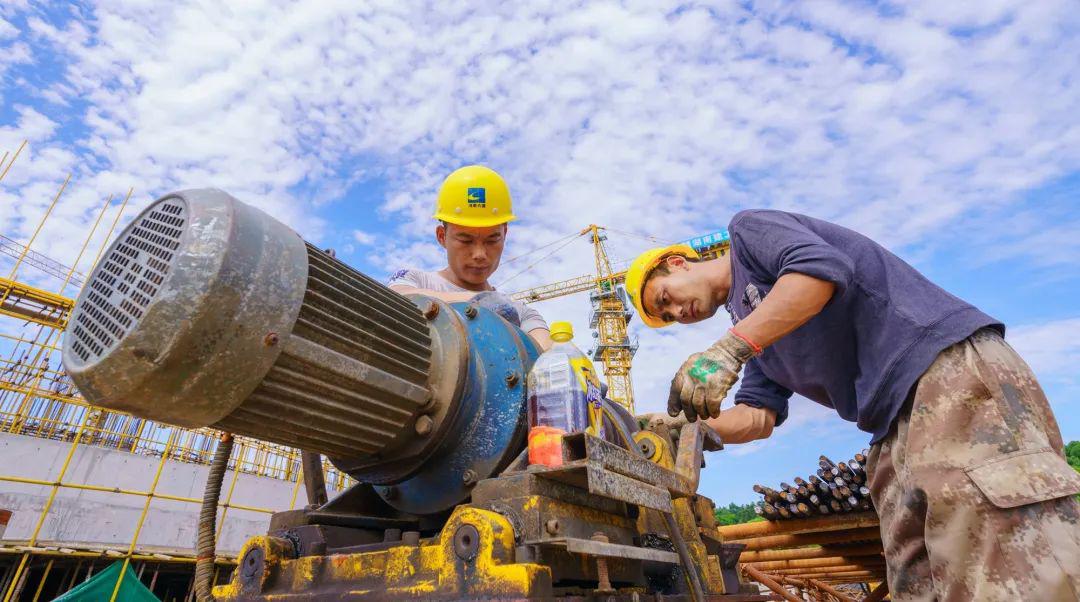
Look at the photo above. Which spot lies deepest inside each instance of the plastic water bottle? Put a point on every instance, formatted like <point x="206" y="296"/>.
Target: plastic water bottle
<point x="562" y="385"/>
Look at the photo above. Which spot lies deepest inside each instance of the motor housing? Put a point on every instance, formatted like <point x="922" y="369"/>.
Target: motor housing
<point x="208" y="312"/>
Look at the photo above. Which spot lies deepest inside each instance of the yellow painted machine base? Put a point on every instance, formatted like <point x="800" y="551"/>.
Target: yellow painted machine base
<point x="432" y="570"/>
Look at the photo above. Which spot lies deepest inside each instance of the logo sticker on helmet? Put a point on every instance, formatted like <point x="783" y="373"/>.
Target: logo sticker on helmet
<point x="477" y="197"/>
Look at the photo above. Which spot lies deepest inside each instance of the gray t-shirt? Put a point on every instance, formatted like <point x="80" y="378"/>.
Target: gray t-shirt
<point x="433" y="281"/>
<point x="883" y="327"/>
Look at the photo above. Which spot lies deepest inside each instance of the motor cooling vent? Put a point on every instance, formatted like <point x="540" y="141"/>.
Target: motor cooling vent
<point x="127" y="279"/>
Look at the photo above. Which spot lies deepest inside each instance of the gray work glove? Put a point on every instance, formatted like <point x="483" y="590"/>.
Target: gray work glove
<point x="705" y="378"/>
<point x="650" y="422"/>
<point x="499" y="303"/>
<point x="665" y="425"/>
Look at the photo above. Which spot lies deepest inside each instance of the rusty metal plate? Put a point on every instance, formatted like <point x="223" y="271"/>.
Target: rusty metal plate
<point x="609" y="550"/>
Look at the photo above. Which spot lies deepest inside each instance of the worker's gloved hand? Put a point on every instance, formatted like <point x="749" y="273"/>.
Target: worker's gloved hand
<point x="705" y="378"/>
<point x="500" y="304"/>
<point x="658" y="422"/>
<point x="650" y="422"/>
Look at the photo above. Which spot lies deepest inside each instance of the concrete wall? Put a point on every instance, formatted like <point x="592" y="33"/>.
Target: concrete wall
<point x="80" y="518"/>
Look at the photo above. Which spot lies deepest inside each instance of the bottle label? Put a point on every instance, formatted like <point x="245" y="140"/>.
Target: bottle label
<point x="583" y="368"/>
<point x="590" y="384"/>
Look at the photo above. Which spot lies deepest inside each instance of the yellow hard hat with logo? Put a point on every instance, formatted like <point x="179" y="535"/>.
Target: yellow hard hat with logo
<point x="639" y="273"/>
<point x="474" y="196"/>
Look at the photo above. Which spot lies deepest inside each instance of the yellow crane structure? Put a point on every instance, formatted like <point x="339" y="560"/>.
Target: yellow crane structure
<point x="611" y="309"/>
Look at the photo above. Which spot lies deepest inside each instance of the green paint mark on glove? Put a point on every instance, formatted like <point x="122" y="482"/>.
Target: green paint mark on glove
<point x="702" y="368"/>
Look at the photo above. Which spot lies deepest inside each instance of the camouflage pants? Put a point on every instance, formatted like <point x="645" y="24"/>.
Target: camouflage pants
<point x="975" y="497"/>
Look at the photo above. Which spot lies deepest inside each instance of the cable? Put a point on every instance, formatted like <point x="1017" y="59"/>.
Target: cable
<point x="527" y="253"/>
<point x="533" y="264"/>
<point x="204" y="563"/>
<point x="647" y="237"/>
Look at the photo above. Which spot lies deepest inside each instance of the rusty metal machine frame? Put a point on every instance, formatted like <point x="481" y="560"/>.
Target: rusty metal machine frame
<point x="610" y="522"/>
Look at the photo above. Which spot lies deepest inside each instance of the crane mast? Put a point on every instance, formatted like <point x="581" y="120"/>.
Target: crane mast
<point x="609" y="318"/>
<point x="611" y="309"/>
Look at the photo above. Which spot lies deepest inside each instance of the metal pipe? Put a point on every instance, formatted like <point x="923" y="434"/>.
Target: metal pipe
<point x="815" y="551"/>
<point x="44" y="577"/>
<point x="697" y="592"/>
<point x="794" y="527"/>
<point x="769" y="582"/>
<point x="314" y="480"/>
<point x="826" y="571"/>
<point x="816" y="562"/>
<point x="805" y="539"/>
<point x="162" y="496"/>
<point x="832" y="591"/>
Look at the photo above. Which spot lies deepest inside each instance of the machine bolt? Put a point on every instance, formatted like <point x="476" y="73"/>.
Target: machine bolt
<point x="552" y="526"/>
<point x="512" y="378"/>
<point x="469" y="477"/>
<point x="470" y="312"/>
<point x="429" y="401"/>
<point x="423" y="425"/>
<point x="648" y="448"/>
<point x="466" y="542"/>
<point x="602" y="577"/>
<point x="270" y="339"/>
<point x="251" y="566"/>
<point x="431" y="310"/>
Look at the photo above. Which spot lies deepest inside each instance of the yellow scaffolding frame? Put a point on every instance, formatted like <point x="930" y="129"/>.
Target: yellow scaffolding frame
<point x="53" y="418"/>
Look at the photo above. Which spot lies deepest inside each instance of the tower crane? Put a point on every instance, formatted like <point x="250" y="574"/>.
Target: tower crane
<point x="611" y="309"/>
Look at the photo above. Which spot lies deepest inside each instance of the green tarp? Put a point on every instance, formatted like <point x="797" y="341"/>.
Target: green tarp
<point x="100" y="587"/>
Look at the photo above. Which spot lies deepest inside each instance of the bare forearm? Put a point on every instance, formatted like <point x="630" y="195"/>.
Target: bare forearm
<point x="542" y="338"/>
<point x="743" y="423"/>
<point x="793" y="300"/>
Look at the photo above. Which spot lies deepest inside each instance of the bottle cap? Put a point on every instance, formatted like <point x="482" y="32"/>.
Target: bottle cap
<point x="561" y="331"/>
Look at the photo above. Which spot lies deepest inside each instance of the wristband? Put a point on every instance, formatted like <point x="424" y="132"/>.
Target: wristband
<point x="753" y="346"/>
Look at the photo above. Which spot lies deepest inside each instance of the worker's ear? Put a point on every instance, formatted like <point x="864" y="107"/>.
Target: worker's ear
<point x="676" y="262"/>
<point x="440" y="234"/>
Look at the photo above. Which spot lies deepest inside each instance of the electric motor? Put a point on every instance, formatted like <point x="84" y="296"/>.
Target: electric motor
<point x="208" y="312"/>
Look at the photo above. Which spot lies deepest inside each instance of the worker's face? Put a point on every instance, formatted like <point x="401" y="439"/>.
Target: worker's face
<point x="472" y="253"/>
<point x="683" y="295"/>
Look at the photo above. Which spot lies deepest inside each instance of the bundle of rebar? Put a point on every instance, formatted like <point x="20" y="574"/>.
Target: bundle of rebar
<point x="836" y="487"/>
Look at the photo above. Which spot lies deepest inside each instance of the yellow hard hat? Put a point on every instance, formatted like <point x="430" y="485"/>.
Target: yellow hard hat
<point x="639" y="272"/>
<point x="474" y="196"/>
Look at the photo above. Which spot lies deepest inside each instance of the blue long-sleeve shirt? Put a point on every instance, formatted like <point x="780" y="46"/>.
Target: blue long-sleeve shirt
<point x="878" y="334"/>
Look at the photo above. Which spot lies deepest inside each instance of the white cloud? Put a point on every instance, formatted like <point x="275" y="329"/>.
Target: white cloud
<point x="651" y="118"/>
<point x="1052" y="349"/>
<point x="7" y="30"/>
<point x="364" y="238"/>
<point x="595" y="112"/>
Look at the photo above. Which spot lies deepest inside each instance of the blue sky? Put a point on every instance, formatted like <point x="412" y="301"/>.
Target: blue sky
<point x="947" y="131"/>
